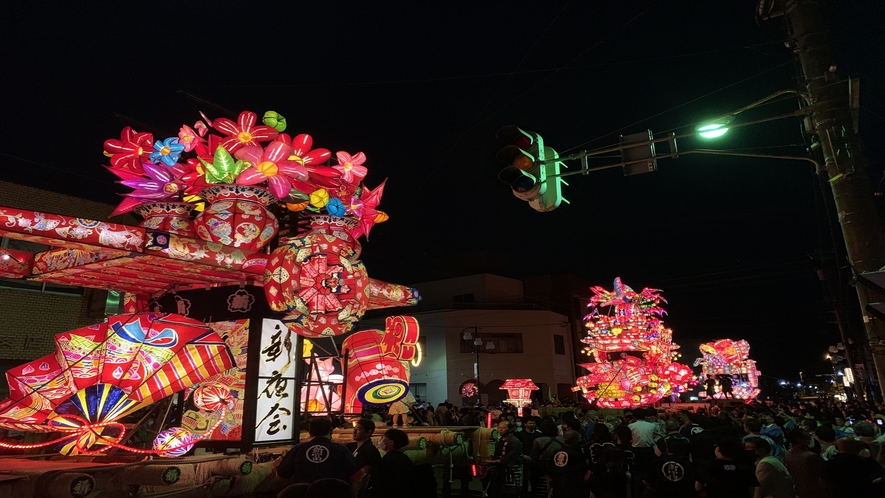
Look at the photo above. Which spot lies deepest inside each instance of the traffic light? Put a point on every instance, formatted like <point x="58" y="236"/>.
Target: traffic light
<point x="532" y="170"/>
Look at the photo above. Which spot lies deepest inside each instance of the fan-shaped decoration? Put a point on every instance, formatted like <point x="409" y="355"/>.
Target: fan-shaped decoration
<point x="101" y="373"/>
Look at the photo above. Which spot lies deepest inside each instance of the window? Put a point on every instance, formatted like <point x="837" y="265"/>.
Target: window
<point x="419" y="391"/>
<point x="504" y="343"/>
<point x="462" y="298"/>
<point x="558" y="344"/>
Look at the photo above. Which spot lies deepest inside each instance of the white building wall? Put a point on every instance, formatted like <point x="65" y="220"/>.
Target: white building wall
<point x="444" y="367"/>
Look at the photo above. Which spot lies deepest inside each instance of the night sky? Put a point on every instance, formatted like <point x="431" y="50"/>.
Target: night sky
<point x="734" y="243"/>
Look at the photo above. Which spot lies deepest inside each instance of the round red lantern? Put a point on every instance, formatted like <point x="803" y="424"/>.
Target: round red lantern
<point x="237" y="216"/>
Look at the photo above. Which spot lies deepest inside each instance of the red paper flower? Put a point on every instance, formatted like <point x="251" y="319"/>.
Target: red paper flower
<point x="243" y="132"/>
<point x="130" y="150"/>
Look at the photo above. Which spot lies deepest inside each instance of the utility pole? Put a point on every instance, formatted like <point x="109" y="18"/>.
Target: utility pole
<point x="844" y="166"/>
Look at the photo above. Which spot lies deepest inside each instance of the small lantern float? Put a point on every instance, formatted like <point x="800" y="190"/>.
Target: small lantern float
<point x="519" y="392"/>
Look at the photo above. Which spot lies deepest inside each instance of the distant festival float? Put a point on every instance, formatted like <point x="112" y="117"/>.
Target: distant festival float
<point x="729" y="358"/>
<point x="632" y="351"/>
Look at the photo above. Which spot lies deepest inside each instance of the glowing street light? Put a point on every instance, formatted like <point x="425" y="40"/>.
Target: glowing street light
<point x="714" y="129"/>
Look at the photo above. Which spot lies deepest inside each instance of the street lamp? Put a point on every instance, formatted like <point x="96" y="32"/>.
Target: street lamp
<point x="714" y="129"/>
<point x="477" y="348"/>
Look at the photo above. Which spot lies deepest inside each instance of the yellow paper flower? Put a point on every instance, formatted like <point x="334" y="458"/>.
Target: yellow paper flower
<point x="319" y="198"/>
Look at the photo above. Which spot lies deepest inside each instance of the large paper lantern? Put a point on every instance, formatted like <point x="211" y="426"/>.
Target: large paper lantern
<point x="318" y="279"/>
<point x="378" y="362"/>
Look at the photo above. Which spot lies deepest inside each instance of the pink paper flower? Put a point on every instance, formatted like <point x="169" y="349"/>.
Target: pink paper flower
<point x="271" y="165"/>
<point x="368" y="211"/>
<point x="351" y="167"/>
<point x="188" y="138"/>
<point x="243" y="132"/>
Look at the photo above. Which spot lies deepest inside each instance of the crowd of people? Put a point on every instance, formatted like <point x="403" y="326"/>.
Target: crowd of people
<point x="795" y="449"/>
<point x="814" y="449"/>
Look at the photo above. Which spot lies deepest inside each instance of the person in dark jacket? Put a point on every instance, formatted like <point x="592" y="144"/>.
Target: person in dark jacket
<point x="568" y="469"/>
<point x="849" y="475"/>
<point x="366" y="454"/>
<point x="317" y="458"/>
<point x="392" y="476"/>
<point x="506" y="480"/>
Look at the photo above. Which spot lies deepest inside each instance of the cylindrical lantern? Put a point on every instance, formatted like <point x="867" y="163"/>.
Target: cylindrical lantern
<point x="378" y="381"/>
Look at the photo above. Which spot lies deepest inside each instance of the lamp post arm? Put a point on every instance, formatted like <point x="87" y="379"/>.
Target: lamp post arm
<point x="669" y="138"/>
<point x="621" y="164"/>
<point x="768" y="98"/>
<point x="816" y="164"/>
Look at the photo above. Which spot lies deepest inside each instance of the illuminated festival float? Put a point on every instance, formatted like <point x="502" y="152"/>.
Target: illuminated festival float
<point x="519" y="392"/>
<point x="232" y="209"/>
<point x="729" y="358"/>
<point x="631" y="349"/>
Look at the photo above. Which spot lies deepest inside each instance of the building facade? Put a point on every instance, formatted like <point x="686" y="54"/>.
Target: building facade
<point x="529" y="341"/>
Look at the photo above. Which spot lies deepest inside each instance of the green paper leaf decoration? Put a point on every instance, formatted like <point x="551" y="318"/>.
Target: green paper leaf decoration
<point x="223" y="169"/>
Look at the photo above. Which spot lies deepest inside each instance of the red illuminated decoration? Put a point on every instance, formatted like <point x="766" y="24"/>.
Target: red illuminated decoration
<point x="378" y="363"/>
<point x="99" y="374"/>
<point x="236" y="169"/>
<point x="236" y="173"/>
<point x="468" y="389"/>
<point x="519" y="391"/>
<point x="730" y="358"/>
<point x="632" y="350"/>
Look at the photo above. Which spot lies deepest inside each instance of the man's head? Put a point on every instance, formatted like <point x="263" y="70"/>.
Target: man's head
<point x="849" y="445"/>
<point x="505" y="427"/>
<point x="728" y="449"/>
<point x="394" y="439"/>
<point x="623" y="434"/>
<point x="759" y="446"/>
<point x="864" y="429"/>
<point x="529" y="424"/>
<point x="671" y="425"/>
<point x="572" y="439"/>
<point x="320" y="427"/>
<point x="825" y="433"/>
<point x="363" y="430"/>
<point x="639" y="413"/>
<point x="752" y="425"/>
<point x="799" y="438"/>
